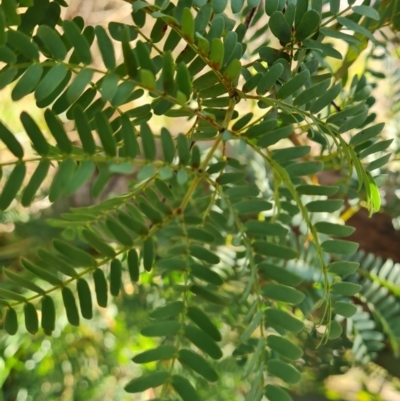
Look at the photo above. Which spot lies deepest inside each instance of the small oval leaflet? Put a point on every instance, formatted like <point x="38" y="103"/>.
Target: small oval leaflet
<point x="202" y="341"/>
<point x="346" y="289"/>
<point x="48" y="321"/>
<point x="283" y="293"/>
<point x="343" y="268"/>
<point x="282" y="319"/>
<point x="198" y="317"/>
<point x="184" y="388"/>
<point x="340" y="247"/>
<point x="204" y="254"/>
<point x="156" y="354"/>
<point x="150" y="380"/>
<point x="284" y="371"/>
<point x="85" y="298"/>
<point x="161" y="329"/>
<point x="168" y="310"/>
<point x="11" y="322"/>
<point x="274" y="250"/>
<point x="279" y="274"/>
<point x="275" y="393"/>
<point x="100" y="286"/>
<point x="31" y="318"/>
<point x="284" y="347"/>
<point x="70" y="306"/>
<point x="345" y="309"/>
<point x="198" y="364"/>
<point x="12" y="185"/>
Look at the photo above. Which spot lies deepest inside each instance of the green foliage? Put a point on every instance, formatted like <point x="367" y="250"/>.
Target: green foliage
<point x="223" y="207"/>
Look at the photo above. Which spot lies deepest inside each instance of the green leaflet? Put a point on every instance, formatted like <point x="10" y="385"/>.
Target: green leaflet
<point x="327" y="205"/>
<point x="252" y="206"/>
<point x="12" y="185"/>
<point x="106" y="47"/>
<point x="23" y="282"/>
<point x="85" y="298"/>
<point x="335" y="330"/>
<point x="23" y="44"/>
<point x="148" y="254"/>
<point x="326" y="99"/>
<point x="161" y="329"/>
<point x="3" y="25"/>
<point x="109" y="86"/>
<point x="34" y="133"/>
<point x="317" y="190"/>
<point x="346" y="289"/>
<point x="337" y="230"/>
<point x="133" y="265"/>
<point x="48" y="315"/>
<point x="28" y="82"/>
<point x="6" y="294"/>
<point x="168" y="310"/>
<point x="202" y="341"/>
<point x="281" y="319"/>
<point x="286" y="154"/>
<point x="367" y="11"/>
<point x="58" y="132"/>
<point x="51" y="81"/>
<point x="118" y="231"/>
<point x="305" y="168"/>
<point x="106" y="134"/>
<point x="233" y="70"/>
<point x="150" y="380"/>
<point x="183" y="80"/>
<point x="199" y="234"/>
<point x="187" y="25"/>
<point x="131" y="147"/>
<point x="52" y="41"/>
<point x="198" y="317"/>
<point x="283" y="293"/>
<point x="308" y="24"/>
<point x="274" y="250"/>
<point x="168" y="73"/>
<point x="284" y="371"/>
<point x="160" y="353"/>
<point x="41" y="273"/>
<point x="345" y="309"/>
<point x="269" y="78"/>
<point x="294" y="84"/>
<point x="184" y="388"/>
<point x="275" y="393"/>
<point x="265" y="228"/>
<point x="148" y="142"/>
<point x="279" y="27"/>
<point x="82" y="174"/>
<point x="204" y="254"/>
<point x="274" y="136"/>
<point x="206" y="80"/>
<point x="115" y="277"/>
<point x="339" y="247"/>
<point x="78" y="41"/>
<point x="31" y="318"/>
<point x="366" y="134"/>
<point x="100" y="286"/>
<point x="252" y="326"/>
<point x="97" y="243"/>
<point x="312" y="92"/>
<point x="183" y="149"/>
<point x="284" y="347"/>
<point x="216" y="55"/>
<point x="343" y="268"/>
<point x="204" y="273"/>
<point x="11" y="322"/>
<point x="70" y="306"/>
<point x="198" y="364"/>
<point x="7" y="76"/>
<point x="9" y="140"/>
<point x="56" y="263"/>
<point x="61" y="179"/>
<point x="82" y="79"/>
<point x="279" y="274"/>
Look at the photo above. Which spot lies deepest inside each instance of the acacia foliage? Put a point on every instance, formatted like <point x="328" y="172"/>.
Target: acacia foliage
<point x="210" y="214"/>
